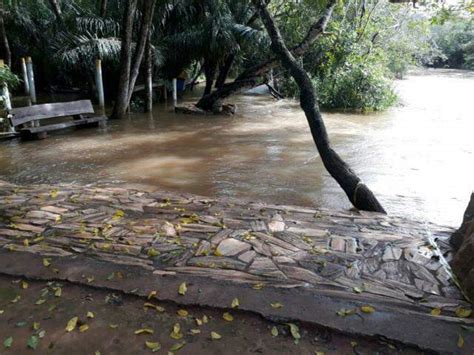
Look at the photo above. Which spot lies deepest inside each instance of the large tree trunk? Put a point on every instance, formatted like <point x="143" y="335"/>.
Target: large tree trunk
<point x="253" y="76"/>
<point x="121" y="103"/>
<point x="357" y="192"/>
<point x="5" y="45"/>
<point x="210" y="69"/>
<point x="148" y="75"/>
<point x="224" y="70"/>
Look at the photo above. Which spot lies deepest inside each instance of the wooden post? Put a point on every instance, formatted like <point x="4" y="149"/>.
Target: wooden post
<point x="25" y="77"/>
<point x="99" y="83"/>
<point x="175" y="92"/>
<point x="31" y="79"/>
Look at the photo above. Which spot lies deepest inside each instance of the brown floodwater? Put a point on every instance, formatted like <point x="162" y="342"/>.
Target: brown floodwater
<point x="417" y="156"/>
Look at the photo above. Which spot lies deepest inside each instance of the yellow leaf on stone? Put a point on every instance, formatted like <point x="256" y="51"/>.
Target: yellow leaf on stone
<point x="274" y="331"/>
<point x="113" y="326"/>
<point x="235" y="303"/>
<point x="53" y="193"/>
<point x="152" y="252"/>
<point x="83" y="328"/>
<point x="319" y="353"/>
<point x="26" y="242"/>
<point x="144" y="331"/>
<point x="2" y="311"/>
<point x="205" y="320"/>
<point x="90" y="279"/>
<point x="215" y="336"/>
<point x="463" y="312"/>
<point x="152" y="294"/>
<point x="46" y="262"/>
<point x="36" y="325"/>
<point x="367" y="309"/>
<point x="178" y="346"/>
<point x="258" y="286"/>
<point x="354" y="344"/>
<point x="228" y="317"/>
<point x="436" y="311"/>
<point x="153" y="346"/>
<point x="90" y="315"/>
<point x="40" y="301"/>
<point x="118" y="214"/>
<point x="183" y="313"/>
<point x="276" y="305"/>
<point x="24" y="285"/>
<point x="195" y="331"/>
<point x="198" y="322"/>
<point x="182" y="289"/>
<point x="58" y="292"/>
<point x="176" y="332"/>
<point x="16" y="299"/>
<point x="71" y="325"/>
<point x="460" y="341"/>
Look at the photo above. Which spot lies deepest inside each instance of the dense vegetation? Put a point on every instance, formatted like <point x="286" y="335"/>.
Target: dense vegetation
<point x="367" y="44"/>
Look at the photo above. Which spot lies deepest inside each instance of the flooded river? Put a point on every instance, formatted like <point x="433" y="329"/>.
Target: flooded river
<point x="417" y="157"/>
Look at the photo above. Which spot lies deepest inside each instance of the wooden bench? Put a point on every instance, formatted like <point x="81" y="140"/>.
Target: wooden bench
<point x="26" y="120"/>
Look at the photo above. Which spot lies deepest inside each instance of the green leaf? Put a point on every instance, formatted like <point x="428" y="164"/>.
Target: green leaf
<point x="275" y="331"/>
<point x="32" y="342"/>
<point x="8" y="342"/>
<point x="295" y="331"/>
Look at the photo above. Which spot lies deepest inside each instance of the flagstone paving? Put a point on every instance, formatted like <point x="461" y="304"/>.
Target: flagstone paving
<point x="324" y="258"/>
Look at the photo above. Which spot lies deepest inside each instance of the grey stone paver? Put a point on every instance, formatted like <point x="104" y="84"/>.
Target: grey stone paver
<point x="389" y="259"/>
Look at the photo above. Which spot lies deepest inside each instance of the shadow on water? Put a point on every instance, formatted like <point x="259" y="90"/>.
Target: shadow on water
<point x="417" y="157"/>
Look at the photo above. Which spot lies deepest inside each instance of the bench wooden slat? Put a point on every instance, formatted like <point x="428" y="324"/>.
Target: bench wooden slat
<point x="58" y="126"/>
<point x="27" y="114"/>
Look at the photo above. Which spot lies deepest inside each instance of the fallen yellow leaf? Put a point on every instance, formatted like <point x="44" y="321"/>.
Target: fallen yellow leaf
<point x="24" y="285"/>
<point x="195" y="331"/>
<point x="463" y="312"/>
<point x="183" y="313"/>
<point x="460" y="341"/>
<point x="235" y="303"/>
<point x="144" y="331"/>
<point x="83" y="328"/>
<point x="436" y="311"/>
<point x="46" y="262"/>
<point x="152" y="294"/>
<point x="153" y="346"/>
<point x="258" y="286"/>
<point x="367" y="309"/>
<point x="277" y="305"/>
<point x="58" y="292"/>
<point x="152" y="252"/>
<point x="176" y="332"/>
<point x="113" y="326"/>
<point x="215" y="336"/>
<point x="36" y="325"/>
<point x="274" y="331"/>
<point x="295" y="331"/>
<point x="40" y="301"/>
<point x="228" y="317"/>
<point x="71" y="325"/>
<point x="182" y="289"/>
<point x="205" y="320"/>
<point x="90" y="315"/>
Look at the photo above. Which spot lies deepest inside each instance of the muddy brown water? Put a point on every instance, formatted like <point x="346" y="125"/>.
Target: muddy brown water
<point x="417" y="156"/>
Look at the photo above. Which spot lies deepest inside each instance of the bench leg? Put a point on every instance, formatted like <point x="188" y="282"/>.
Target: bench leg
<point x="42" y="135"/>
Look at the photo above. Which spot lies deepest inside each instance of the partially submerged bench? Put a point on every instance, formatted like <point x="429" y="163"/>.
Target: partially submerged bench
<point x="26" y="120"/>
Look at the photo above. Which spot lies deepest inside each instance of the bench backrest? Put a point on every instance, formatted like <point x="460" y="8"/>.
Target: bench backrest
<point x="27" y="114"/>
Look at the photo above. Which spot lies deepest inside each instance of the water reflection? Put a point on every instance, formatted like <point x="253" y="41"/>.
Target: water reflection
<point x="417" y="157"/>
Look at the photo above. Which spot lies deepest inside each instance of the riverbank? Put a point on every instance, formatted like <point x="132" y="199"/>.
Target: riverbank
<point x="358" y="273"/>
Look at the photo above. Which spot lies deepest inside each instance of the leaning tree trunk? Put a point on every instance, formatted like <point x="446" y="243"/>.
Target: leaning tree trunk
<point x="148" y="11"/>
<point x="210" y="74"/>
<point x="121" y="103"/>
<point x="6" y="52"/>
<point x="359" y="194"/>
<point x="253" y="76"/>
<point x="224" y="70"/>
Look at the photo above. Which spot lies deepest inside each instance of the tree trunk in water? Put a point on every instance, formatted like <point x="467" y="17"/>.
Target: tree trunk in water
<point x="103" y="8"/>
<point x="224" y="70"/>
<point x="148" y="76"/>
<point x="5" y="45"/>
<point x="56" y="9"/>
<point x="148" y="11"/>
<point x="252" y="76"/>
<point x="121" y="103"/>
<point x="357" y="192"/>
<point x="210" y="69"/>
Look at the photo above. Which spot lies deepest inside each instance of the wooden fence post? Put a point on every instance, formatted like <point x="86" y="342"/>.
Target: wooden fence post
<point x="99" y="83"/>
<point x="31" y="79"/>
<point x="25" y="77"/>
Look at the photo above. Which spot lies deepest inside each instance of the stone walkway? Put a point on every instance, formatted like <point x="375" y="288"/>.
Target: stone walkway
<point x="284" y="262"/>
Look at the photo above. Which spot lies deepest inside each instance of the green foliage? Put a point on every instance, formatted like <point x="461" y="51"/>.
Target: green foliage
<point x="9" y="78"/>
<point x="455" y="40"/>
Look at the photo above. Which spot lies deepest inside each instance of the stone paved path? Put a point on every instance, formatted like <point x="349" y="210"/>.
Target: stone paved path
<point x="324" y="264"/>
